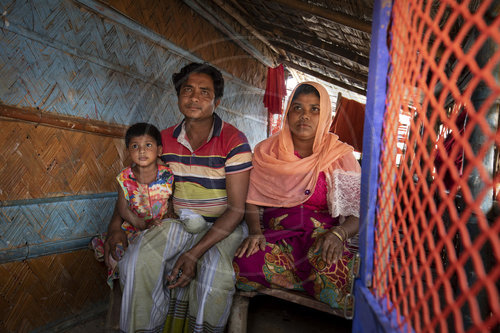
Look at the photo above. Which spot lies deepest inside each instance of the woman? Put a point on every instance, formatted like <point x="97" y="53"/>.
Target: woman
<point x="309" y="185"/>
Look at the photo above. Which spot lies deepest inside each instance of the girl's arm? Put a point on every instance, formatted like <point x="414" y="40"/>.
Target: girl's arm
<point x="127" y="214"/>
<point x="116" y="235"/>
<point x="170" y="209"/>
<point x="255" y="240"/>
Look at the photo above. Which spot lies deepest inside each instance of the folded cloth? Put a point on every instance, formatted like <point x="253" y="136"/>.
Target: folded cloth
<point x="193" y="223"/>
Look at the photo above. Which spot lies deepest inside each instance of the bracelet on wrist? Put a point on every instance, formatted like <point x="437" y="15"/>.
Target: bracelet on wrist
<point x="343" y="231"/>
<point x="333" y="231"/>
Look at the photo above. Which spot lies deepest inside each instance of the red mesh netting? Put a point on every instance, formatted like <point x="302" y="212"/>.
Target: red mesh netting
<point x="437" y="252"/>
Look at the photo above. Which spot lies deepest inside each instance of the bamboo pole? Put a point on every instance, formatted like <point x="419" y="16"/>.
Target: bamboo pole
<point x="62" y="121"/>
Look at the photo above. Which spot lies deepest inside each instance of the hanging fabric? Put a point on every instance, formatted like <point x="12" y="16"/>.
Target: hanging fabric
<point x="275" y="89"/>
<point x="348" y="122"/>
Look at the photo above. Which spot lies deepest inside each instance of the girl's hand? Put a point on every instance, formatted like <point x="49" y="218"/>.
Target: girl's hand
<point x="154" y="223"/>
<point x="170" y="215"/>
<point x="331" y="247"/>
<point x="252" y="244"/>
<point x="138" y="223"/>
<point x="114" y="238"/>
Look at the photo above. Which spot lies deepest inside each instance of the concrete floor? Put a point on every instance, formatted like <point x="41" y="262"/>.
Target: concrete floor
<point x="265" y="314"/>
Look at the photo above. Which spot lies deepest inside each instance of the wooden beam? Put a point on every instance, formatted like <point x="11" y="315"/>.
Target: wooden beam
<point x="325" y="78"/>
<point x="63" y="121"/>
<point x="241" y="20"/>
<point x="208" y="14"/>
<point x="336" y="17"/>
<point x="363" y="79"/>
<point x="293" y="36"/>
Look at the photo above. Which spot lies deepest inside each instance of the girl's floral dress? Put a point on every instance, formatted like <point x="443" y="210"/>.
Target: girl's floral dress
<point x="149" y="201"/>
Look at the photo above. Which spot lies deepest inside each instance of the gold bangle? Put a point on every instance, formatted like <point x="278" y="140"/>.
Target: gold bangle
<point x="337" y="234"/>
<point x="344" y="232"/>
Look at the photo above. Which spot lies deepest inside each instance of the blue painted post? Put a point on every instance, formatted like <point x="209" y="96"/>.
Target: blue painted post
<point x="367" y="313"/>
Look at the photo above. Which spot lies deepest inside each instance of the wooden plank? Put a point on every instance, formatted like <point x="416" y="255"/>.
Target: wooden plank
<point x="241" y="20"/>
<point x="302" y="299"/>
<point x="61" y="121"/>
<point x="57" y="199"/>
<point x="336" y="17"/>
<point x="363" y="79"/>
<point x="292" y="36"/>
<point x="325" y="78"/>
<point x="239" y="310"/>
<point x="226" y="29"/>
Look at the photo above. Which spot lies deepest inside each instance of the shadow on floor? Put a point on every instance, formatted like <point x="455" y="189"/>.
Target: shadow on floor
<point x="270" y="314"/>
<point x="265" y="314"/>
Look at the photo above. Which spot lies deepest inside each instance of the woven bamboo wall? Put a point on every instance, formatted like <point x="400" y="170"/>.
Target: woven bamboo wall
<point x="44" y="290"/>
<point x="78" y="59"/>
<point x="39" y="166"/>
<point x="178" y="23"/>
<point x="98" y="70"/>
<point x="38" y="161"/>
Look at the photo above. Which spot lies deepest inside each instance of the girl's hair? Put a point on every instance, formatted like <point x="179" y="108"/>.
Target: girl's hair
<point x="141" y="129"/>
<point x="305" y="89"/>
<point x="179" y="78"/>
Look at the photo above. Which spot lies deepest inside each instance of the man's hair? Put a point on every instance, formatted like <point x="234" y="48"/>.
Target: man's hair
<point x="305" y="89"/>
<point x="141" y="129"/>
<point x="179" y="78"/>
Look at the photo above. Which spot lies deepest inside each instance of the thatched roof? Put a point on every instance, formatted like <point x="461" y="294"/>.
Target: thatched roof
<point x="326" y="39"/>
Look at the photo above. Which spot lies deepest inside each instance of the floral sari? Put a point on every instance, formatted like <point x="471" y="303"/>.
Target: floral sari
<point x="288" y="260"/>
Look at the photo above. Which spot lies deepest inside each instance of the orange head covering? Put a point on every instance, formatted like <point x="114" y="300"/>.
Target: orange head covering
<point x="281" y="179"/>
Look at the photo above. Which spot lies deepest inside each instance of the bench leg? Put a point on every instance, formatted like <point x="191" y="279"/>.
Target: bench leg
<point x="239" y="312"/>
<point x="114" y="307"/>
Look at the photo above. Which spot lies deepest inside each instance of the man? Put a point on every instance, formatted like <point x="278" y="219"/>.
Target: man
<point x="211" y="161"/>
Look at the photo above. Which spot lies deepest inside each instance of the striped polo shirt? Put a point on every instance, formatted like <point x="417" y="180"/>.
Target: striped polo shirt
<point x="200" y="175"/>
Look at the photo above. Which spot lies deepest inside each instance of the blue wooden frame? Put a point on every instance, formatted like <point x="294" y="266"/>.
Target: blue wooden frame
<point x="369" y="315"/>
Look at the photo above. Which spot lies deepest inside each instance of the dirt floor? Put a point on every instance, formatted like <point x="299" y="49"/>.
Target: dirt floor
<point x="265" y="314"/>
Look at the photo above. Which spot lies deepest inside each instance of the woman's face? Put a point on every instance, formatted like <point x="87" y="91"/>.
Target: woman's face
<point x="303" y="116"/>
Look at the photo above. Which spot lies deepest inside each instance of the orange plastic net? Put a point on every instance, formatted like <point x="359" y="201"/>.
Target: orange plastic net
<point x="437" y="252"/>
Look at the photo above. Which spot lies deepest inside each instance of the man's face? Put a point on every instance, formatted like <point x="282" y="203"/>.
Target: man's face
<point x="197" y="98"/>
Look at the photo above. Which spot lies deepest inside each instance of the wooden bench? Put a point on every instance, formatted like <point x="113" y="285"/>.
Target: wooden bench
<point x="237" y="322"/>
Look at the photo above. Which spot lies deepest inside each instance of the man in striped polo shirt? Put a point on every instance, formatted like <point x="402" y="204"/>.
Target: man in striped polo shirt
<point x="211" y="161"/>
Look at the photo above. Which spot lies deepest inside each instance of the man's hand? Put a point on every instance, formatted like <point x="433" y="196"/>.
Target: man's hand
<point x="183" y="272"/>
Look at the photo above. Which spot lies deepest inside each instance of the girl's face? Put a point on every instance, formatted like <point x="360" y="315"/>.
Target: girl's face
<point x="143" y="150"/>
<point x="303" y="116"/>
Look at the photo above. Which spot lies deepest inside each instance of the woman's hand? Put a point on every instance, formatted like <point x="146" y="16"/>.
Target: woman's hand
<point x="331" y="247"/>
<point x="251" y="245"/>
<point x="114" y="237"/>
<point x="183" y="272"/>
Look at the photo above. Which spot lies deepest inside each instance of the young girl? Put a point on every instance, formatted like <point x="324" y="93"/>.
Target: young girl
<point x="146" y="187"/>
<point x="144" y="192"/>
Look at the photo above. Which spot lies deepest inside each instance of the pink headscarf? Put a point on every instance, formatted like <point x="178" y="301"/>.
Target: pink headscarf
<point x="281" y="179"/>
